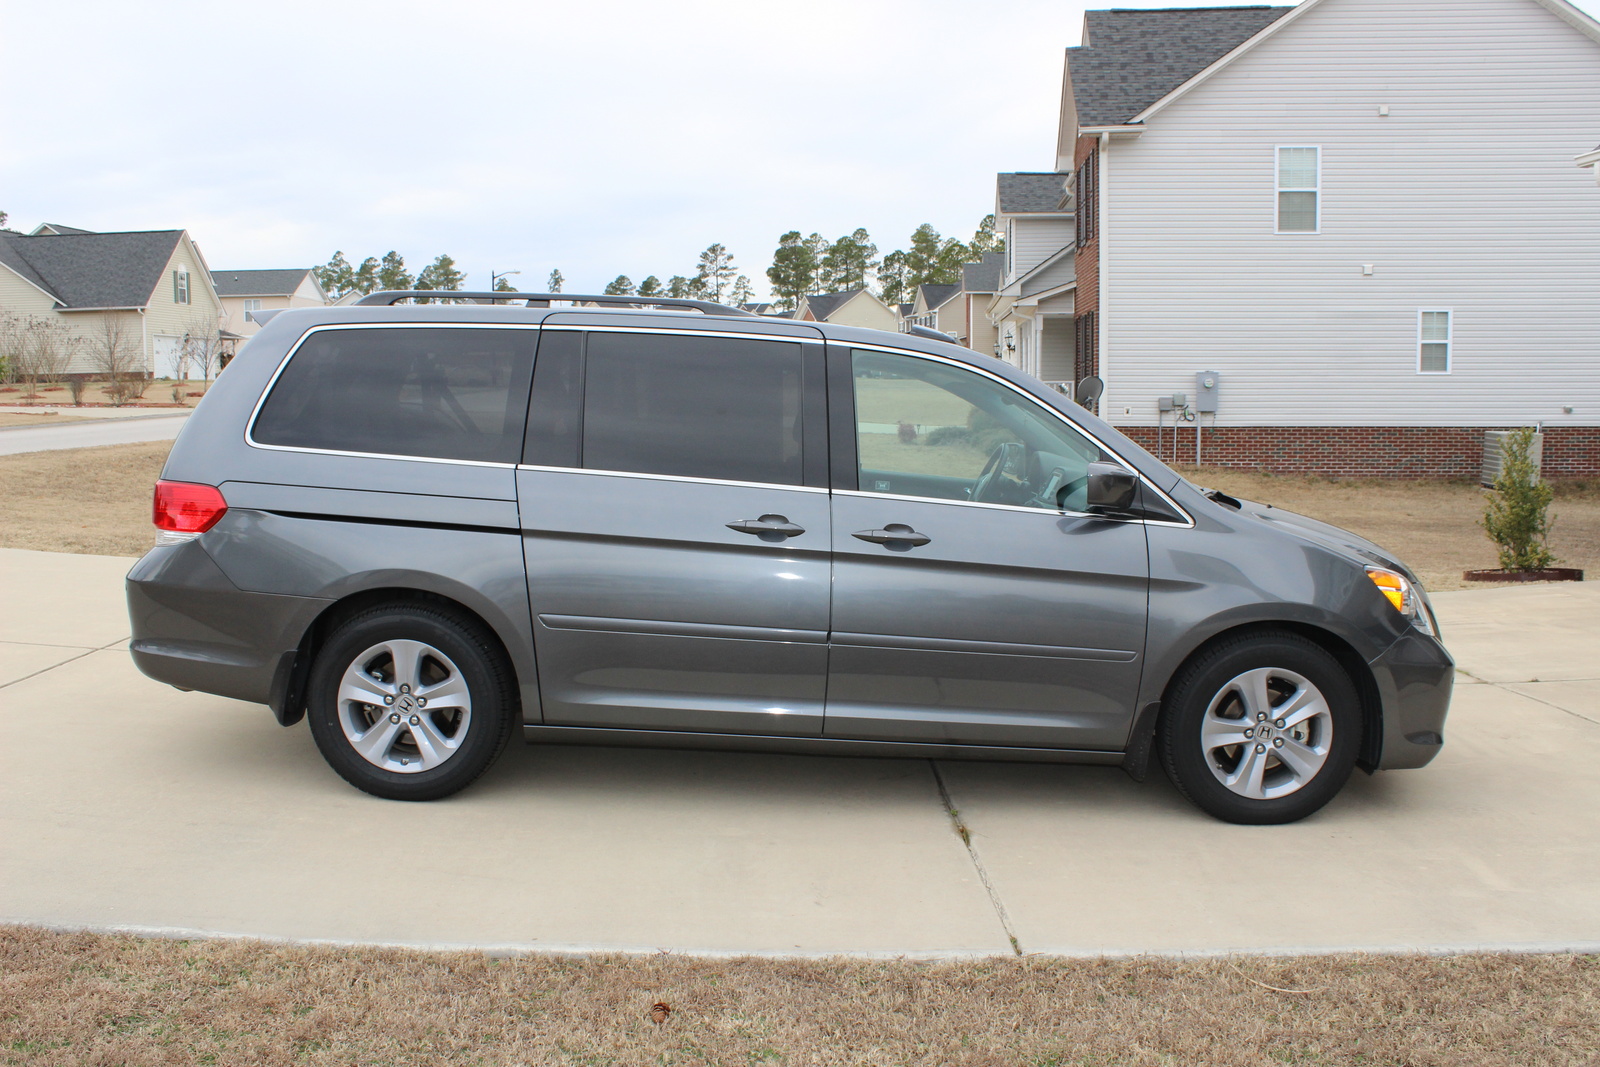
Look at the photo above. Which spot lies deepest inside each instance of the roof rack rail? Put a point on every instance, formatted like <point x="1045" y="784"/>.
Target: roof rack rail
<point x="393" y="296"/>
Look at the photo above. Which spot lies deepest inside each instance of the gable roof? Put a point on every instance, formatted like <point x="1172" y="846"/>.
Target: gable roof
<point x="984" y="276"/>
<point x="935" y="294"/>
<point x="822" y="305"/>
<point x="1132" y="59"/>
<point x="97" y="270"/>
<point x="50" y="229"/>
<point x="258" y="282"/>
<point x="1026" y="192"/>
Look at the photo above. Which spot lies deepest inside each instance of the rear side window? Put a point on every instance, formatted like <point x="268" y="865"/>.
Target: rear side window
<point x="404" y="391"/>
<point x="696" y="407"/>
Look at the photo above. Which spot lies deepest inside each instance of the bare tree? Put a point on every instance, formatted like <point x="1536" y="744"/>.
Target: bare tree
<point x="45" y="350"/>
<point x="11" y="334"/>
<point x="202" y="346"/>
<point x="116" y="356"/>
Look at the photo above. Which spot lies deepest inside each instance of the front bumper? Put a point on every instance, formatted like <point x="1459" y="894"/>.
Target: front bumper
<point x="1415" y="678"/>
<point x="194" y="629"/>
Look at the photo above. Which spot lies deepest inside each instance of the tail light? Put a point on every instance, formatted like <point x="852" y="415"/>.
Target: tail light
<point x="187" y="508"/>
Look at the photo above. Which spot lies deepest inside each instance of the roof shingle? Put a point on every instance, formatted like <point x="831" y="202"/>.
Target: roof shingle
<point x="95" y="270"/>
<point x="1134" y="58"/>
<point x="1030" y="191"/>
<point x="258" y="282"/>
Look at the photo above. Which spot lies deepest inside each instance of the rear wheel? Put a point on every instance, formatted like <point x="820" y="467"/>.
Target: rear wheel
<point x="1261" y="729"/>
<point x="409" y="703"/>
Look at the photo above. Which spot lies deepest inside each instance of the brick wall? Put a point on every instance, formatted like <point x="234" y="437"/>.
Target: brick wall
<point x="1384" y="451"/>
<point x="1087" y="261"/>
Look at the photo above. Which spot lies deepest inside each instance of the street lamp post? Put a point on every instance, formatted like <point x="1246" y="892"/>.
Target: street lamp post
<point x="494" y="278"/>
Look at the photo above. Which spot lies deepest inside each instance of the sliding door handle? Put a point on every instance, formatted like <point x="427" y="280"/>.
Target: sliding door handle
<point x="768" y="527"/>
<point x="894" y="534"/>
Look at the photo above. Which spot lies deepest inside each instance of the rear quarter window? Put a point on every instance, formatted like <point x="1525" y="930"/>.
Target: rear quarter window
<point x="437" y="393"/>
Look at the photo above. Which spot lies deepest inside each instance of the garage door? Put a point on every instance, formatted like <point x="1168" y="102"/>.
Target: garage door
<point x="168" y="351"/>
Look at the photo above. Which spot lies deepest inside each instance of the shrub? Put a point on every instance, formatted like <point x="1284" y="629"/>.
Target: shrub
<point x="1517" y="517"/>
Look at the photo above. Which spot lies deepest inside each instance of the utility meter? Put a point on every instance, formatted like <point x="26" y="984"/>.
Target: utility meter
<point x="1205" y="391"/>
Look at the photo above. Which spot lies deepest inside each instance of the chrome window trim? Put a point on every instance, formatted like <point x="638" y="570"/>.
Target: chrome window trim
<point x="1004" y="507"/>
<point x="672" y="478"/>
<point x="961" y="365"/>
<point x="250" y="423"/>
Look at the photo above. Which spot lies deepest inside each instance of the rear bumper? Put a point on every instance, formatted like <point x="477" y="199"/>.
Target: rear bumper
<point x="194" y="629"/>
<point x="1415" y="678"/>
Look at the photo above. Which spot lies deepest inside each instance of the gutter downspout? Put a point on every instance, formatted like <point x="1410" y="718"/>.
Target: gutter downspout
<point x="144" y="341"/>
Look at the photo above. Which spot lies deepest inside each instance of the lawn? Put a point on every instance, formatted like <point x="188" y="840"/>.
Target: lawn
<point x="79" y="998"/>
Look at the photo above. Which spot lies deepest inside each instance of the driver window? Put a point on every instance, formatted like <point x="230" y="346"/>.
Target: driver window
<point x="932" y="430"/>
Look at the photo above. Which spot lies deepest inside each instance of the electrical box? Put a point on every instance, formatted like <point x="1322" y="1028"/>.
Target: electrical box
<point x="1163" y="403"/>
<point x="1205" y="391"/>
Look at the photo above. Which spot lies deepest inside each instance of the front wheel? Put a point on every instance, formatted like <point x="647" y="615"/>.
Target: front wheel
<point x="1261" y="729"/>
<point x="409" y="703"/>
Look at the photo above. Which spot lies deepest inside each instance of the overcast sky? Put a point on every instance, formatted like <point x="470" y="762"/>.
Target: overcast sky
<point x="600" y="138"/>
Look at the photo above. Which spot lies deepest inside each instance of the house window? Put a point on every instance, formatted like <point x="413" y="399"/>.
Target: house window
<point x="180" y="286"/>
<point x="1299" y="189"/>
<point x="1434" y="342"/>
<point x="1088" y="199"/>
<point x="1085" y="363"/>
<point x="250" y="307"/>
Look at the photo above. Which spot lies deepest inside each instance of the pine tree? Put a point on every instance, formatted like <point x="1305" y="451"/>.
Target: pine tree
<point x="794" y="270"/>
<point x="892" y="274"/>
<point x="818" y="245"/>
<point x="392" y="273"/>
<point x="556" y="281"/>
<point x="715" y="272"/>
<point x="336" y="278"/>
<point x="366" y="276"/>
<point x="678" y="287"/>
<point x="441" y="274"/>
<point x="848" y="262"/>
<point x="621" y="285"/>
<point x="503" y="285"/>
<point x="743" y="293"/>
<point x="985" y="240"/>
<point x="651" y="286"/>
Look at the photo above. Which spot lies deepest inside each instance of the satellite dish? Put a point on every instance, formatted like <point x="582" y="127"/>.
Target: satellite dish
<point x="1089" y="390"/>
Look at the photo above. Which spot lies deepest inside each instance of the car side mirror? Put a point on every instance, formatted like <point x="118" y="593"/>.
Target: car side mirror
<point x="1111" y="489"/>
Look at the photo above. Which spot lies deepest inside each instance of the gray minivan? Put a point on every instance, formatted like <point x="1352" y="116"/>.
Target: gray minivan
<point x="425" y="526"/>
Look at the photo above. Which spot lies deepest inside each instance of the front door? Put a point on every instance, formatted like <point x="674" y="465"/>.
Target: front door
<point x="675" y="524"/>
<point x="974" y="600"/>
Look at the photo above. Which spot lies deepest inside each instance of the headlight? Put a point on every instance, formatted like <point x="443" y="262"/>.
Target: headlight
<point x="1406" y="596"/>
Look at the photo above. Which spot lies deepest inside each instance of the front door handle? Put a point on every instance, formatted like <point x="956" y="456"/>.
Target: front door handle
<point x="894" y="534"/>
<point x="768" y="527"/>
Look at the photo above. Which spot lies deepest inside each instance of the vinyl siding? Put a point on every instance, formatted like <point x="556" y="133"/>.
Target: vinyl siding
<point x="165" y="316"/>
<point x="1464" y="198"/>
<point x="1035" y="239"/>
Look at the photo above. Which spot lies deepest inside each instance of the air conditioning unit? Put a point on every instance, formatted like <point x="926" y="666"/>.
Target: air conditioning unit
<point x="1493" y="457"/>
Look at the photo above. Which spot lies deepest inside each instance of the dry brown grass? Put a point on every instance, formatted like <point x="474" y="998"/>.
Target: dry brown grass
<point x="43" y="418"/>
<point x="1432" y="525"/>
<point x="157" y="393"/>
<point x="94" y="500"/>
<point x="83" y="998"/>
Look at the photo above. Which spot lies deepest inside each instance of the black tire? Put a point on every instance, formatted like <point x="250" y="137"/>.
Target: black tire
<point x="452" y="743"/>
<point x="1273" y="774"/>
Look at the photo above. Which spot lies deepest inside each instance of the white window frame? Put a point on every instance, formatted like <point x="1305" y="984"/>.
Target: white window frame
<point x="251" y="306"/>
<point x="181" y="278"/>
<point x="1449" y="341"/>
<point x="1277" y="189"/>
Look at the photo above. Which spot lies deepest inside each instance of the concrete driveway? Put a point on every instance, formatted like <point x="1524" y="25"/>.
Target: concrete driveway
<point x="125" y="803"/>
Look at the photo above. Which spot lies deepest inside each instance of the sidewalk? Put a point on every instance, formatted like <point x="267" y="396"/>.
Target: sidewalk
<point x="126" y="803"/>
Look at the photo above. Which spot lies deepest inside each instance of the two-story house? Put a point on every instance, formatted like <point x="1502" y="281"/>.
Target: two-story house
<point x="852" y="307"/>
<point x="1032" y="309"/>
<point x="147" y="292"/>
<point x="1359" y="218"/>
<point x="244" y="292"/>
